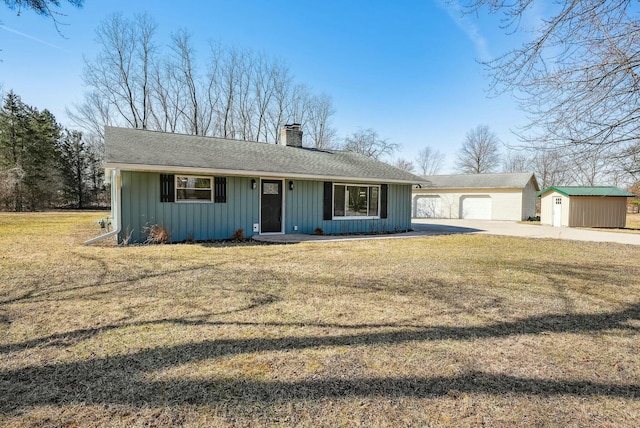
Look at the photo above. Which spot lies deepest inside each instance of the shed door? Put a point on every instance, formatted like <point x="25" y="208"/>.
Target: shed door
<point x="271" y="206"/>
<point x="427" y="207"/>
<point x="557" y="211"/>
<point x="475" y="207"/>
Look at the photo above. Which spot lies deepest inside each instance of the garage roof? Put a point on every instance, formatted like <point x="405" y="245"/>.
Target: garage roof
<point x="588" y="191"/>
<point x="517" y="180"/>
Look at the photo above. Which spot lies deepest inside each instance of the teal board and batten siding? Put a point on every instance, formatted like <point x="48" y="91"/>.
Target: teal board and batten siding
<point x="304" y="209"/>
<point x="141" y="207"/>
<point x="200" y="221"/>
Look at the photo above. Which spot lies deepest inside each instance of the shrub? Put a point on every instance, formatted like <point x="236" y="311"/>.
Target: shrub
<point x="318" y="231"/>
<point x="156" y="234"/>
<point x="238" y="235"/>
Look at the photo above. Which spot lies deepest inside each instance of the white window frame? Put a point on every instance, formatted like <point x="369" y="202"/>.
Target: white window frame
<point x="194" y="201"/>
<point x="359" y="217"/>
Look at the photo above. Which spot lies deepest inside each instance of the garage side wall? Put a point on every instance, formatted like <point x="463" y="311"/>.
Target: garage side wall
<point x="598" y="211"/>
<point x="529" y="201"/>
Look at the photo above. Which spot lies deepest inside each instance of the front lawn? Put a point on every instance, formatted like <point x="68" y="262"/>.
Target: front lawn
<point x="447" y="330"/>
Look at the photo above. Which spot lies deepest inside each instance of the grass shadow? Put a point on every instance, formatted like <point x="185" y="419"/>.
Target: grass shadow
<point x="122" y="379"/>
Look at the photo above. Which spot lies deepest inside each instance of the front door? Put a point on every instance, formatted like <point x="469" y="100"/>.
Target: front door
<point x="557" y="211"/>
<point x="271" y="207"/>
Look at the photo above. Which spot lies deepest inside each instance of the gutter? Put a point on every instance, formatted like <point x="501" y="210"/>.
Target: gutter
<point x="246" y="173"/>
<point x="117" y="208"/>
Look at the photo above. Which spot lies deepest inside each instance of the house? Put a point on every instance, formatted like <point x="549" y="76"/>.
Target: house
<point x="508" y="196"/>
<point x="203" y="188"/>
<point x="575" y="206"/>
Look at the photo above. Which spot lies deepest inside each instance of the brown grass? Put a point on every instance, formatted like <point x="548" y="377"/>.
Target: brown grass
<point x="633" y="221"/>
<point x="446" y="331"/>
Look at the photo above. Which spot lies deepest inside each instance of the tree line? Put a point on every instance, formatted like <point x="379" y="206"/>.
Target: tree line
<point x="43" y="165"/>
<point x="135" y="81"/>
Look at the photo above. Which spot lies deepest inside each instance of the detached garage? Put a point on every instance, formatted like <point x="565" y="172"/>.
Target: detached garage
<point x="476" y="196"/>
<point x="574" y="206"/>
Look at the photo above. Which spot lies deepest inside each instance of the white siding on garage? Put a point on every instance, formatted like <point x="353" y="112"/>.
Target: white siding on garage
<point x="513" y="196"/>
<point x="476" y="207"/>
<point x="427" y="206"/>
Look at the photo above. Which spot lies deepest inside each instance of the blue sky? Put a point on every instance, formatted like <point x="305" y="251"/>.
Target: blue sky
<point x="408" y="69"/>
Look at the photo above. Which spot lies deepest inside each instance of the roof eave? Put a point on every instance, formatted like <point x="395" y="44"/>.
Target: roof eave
<point x="247" y="173"/>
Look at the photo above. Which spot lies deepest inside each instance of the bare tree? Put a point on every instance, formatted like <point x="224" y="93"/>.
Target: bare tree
<point x="404" y="164"/>
<point x="516" y="161"/>
<point x="550" y="168"/>
<point x="578" y="77"/>
<point x="319" y="129"/>
<point x="480" y="152"/>
<point x="367" y="142"/>
<point x="234" y="93"/>
<point x="430" y="161"/>
<point x="120" y="74"/>
<point x="93" y="114"/>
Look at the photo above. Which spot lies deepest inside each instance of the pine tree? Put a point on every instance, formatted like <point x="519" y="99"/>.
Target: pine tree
<point x="28" y="145"/>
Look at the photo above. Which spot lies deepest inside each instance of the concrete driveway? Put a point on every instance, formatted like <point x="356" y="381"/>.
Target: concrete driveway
<point x="510" y="228"/>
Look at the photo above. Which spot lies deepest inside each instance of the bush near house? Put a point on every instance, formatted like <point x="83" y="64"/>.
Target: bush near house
<point x="446" y="331"/>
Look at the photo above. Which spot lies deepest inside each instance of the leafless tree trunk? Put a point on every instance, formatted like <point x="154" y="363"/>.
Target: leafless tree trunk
<point x="317" y="126"/>
<point x="239" y="95"/>
<point x="516" y="161"/>
<point x="550" y="168"/>
<point x="120" y="73"/>
<point x="430" y="161"/>
<point x="480" y="153"/>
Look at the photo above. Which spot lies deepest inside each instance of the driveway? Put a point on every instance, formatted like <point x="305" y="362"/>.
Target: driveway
<point x="430" y="227"/>
<point x="510" y="228"/>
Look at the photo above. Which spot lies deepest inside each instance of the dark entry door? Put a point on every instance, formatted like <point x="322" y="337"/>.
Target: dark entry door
<point x="271" y="211"/>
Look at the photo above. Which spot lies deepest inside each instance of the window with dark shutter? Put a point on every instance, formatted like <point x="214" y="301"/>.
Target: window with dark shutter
<point x="383" y="200"/>
<point x="327" y="201"/>
<point x="220" y="189"/>
<point x="167" y="188"/>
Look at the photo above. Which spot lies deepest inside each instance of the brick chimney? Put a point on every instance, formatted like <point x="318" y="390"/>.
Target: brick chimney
<point x="291" y="135"/>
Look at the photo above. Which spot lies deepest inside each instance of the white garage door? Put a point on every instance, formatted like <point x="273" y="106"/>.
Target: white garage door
<point x="476" y="207"/>
<point x="427" y="207"/>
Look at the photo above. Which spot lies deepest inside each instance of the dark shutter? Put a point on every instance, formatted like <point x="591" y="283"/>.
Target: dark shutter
<point x="167" y="188"/>
<point x="220" y="189"/>
<point x="383" y="201"/>
<point x="327" y="204"/>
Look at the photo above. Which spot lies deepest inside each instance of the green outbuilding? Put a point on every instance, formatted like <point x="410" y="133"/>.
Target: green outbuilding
<point x="204" y="188"/>
<point x="580" y="206"/>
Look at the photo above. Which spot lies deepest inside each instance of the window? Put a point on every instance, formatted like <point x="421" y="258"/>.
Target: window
<point x="193" y="189"/>
<point x="361" y="201"/>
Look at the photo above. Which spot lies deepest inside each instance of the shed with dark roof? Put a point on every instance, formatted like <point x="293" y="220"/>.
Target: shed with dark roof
<point x="507" y="196"/>
<point x="205" y="188"/>
<point x="580" y="206"/>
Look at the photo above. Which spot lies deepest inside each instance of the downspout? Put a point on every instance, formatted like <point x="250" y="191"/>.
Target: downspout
<point x="116" y="210"/>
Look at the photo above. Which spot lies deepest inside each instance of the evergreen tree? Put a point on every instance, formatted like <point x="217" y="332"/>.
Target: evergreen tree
<point x="28" y="145"/>
<point x="74" y="164"/>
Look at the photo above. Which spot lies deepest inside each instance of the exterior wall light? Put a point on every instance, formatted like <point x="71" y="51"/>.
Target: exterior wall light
<point x="290" y="185"/>
<point x="253" y="183"/>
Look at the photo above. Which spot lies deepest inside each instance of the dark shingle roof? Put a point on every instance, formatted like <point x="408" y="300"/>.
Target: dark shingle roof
<point x="135" y="149"/>
<point x="479" y="181"/>
<point x="588" y="191"/>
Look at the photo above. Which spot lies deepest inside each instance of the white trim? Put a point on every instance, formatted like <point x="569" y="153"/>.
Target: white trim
<point x="193" y="201"/>
<point x="361" y="217"/>
<point x="116" y="207"/>
<point x="283" y="207"/>
<point x="265" y="174"/>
